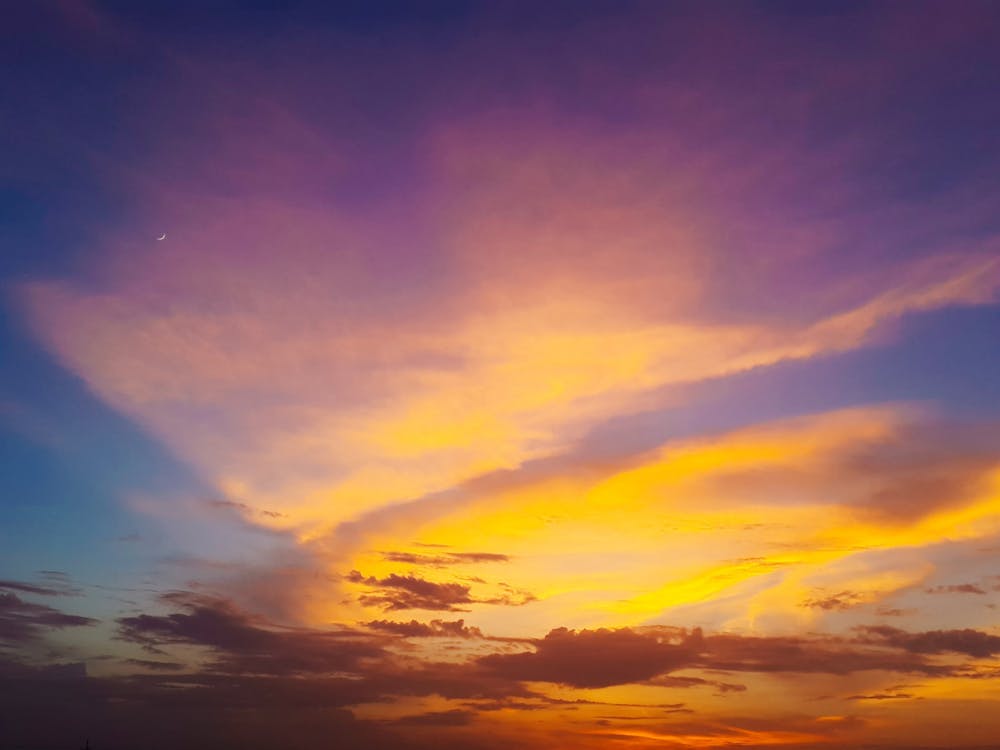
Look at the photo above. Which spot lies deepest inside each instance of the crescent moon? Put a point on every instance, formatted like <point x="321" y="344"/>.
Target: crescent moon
<point x="162" y="236"/>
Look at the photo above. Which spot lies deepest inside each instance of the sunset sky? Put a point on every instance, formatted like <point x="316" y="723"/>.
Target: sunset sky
<point x="544" y="375"/>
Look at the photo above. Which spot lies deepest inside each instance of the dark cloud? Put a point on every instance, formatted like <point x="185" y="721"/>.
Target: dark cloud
<point x="960" y="588"/>
<point x="356" y="667"/>
<point x="600" y="658"/>
<point x="55" y="584"/>
<point x="455" y="681"/>
<point x="966" y="641"/>
<point x="676" y="681"/>
<point x="838" y="601"/>
<point x="821" y="655"/>
<point x="397" y="592"/>
<point x="512" y="597"/>
<point x="444" y="560"/>
<point x="30" y="588"/>
<point x="595" y="658"/>
<point x="243" y="643"/>
<point x="433" y="629"/>
<point x="480" y="557"/>
<point x="22" y="622"/>
<point x="256" y="666"/>
<point x="289" y="674"/>
<point x="335" y="666"/>
<point x="978" y="672"/>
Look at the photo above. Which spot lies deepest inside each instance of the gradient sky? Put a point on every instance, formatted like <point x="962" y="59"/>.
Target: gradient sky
<point x="512" y="375"/>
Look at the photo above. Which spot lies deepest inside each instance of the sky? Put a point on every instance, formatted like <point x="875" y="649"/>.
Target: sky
<point x="592" y="375"/>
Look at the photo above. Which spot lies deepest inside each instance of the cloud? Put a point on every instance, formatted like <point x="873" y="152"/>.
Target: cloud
<point x="30" y="588"/>
<point x="967" y="641"/>
<point x="676" y="681"/>
<point x="357" y="668"/>
<point x="244" y="643"/>
<point x="449" y="558"/>
<point x="454" y="718"/>
<point x="22" y="622"/>
<point x="594" y="658"/>
<point x="604" y="657"/>
<point x="959" y="588"/>
<point x="337" y="665"/>
<point x="839" y="601"/>
<point x="817" y="655"/>
<point x="395" y="592"/>
<point x="260" y="666"/>
<point x="802" y="536"/>
<point x="433" y="629"/>
<point x="398" y="592"/>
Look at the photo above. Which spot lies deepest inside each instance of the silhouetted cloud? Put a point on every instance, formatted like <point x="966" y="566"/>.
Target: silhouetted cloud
<point x="399" y="592"/>
<point x="21" y="621"/>
<point x="29" y="588"/>
<point x="965" y="641"/>
<point x="595" y="658"/>
<point x="818" y="654"/>
<point x="433" y="629"/>
<point x="243" y="643"/>
<point x="676" y="681"/>
<point x="395" y="592"/>
<point x="600" y="658"/>
<point x="444" y="560"/>
<point x="54" y="586"/>
<point x="336" y="667"/>
<point x="893" y="612"/>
